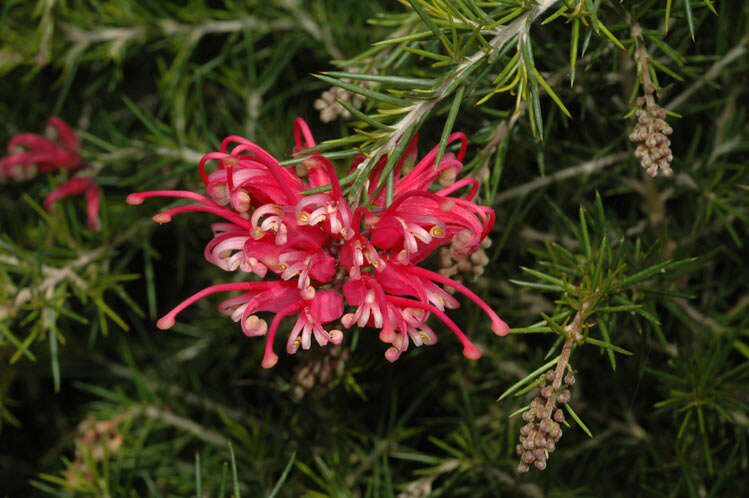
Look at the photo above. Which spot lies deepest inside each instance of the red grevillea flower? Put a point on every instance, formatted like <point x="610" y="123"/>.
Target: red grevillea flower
<point x="30" y="154"/>
<point x="318" y="256"/>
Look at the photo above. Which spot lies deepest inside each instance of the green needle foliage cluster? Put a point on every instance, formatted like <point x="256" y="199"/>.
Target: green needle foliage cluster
<point x="626" y="293"/>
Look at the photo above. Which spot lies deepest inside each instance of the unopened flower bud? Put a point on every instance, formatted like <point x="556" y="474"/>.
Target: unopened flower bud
<point x="539" y="441"/>
<point x="545" y="425"/>
<point x="556" y="433"/>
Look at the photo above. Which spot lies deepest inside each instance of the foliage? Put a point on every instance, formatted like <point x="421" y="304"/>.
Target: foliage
<point x="635" y="284"/>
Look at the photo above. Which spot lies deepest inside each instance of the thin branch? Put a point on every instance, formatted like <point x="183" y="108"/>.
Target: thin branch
<point x="587" y="168"/>
<point x="574" y="335"/>
<point x="173" y="28"/>
<point x="418" y="111"/>
<point x="698" y="317"/>
<point x="54" y="276"/>
<point x="712" y="73"/>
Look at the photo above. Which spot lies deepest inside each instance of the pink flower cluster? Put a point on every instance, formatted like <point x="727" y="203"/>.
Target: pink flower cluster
<point x="30" y="154"/>
<point x="333" y="261"/>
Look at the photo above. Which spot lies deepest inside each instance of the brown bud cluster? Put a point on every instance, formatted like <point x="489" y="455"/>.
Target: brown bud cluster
<point x="543" y="419"/>
<point x="418" y="489"/>
<point x="465" y="267"/>
<point x="97" y="439"/>
<point x="652" y="129"/>
<point x="318" y="371"/>
<point x="329" y="107"/>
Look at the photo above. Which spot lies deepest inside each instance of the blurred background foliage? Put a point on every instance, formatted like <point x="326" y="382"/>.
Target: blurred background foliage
<point x="94" y="401"/>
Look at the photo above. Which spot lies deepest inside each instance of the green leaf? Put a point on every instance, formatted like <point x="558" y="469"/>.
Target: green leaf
<point x="234" y="477"/>
<point x="507" y="18"/>
<point x="710" y="6"/>
<point x="449" y="122"/>
<point x="585" y="237"/>
<point x="329" y="144"/>
<point x="283" y="477"/>
<point x="399" y="39"/>
<point x="642" y="275"/>
<point x="530" y="386"/>
<point x="198" y="476"/>
<point x="430" y="24"/>
<point x="554" y="326"/>
<point x="666" y="70"/>
<point x="156" y="127"/>
<point x="607" y="337"/>
<point x="690" y="20"/>
<point x="561" y="10"/>
<point x="599" y="25"/>
<point x="607" y="345"/>
<point x="599" y="267"/>
<point x="551" y="93"/>
<point x="111" y="314"/>
<point x="666" y="49"/>
<point x="390" y="80"/>
<point x="528" y="378"/>
<point x="393" y="159"/>
<point x="428" y="54"/>
<point x="574" y="49"/>
<point x="52" y="333"/>
<point x="360" y="115"/>
<point x="530" y="330"/>
<point x="543" y="276"/>
<point x="372" y="94"/>
<point x="536" y="285"/>
<point x="574" y="416"/>
<point x="222" y="486"/>
<point x="22" y="349"/>
<point x="741" y="348"/>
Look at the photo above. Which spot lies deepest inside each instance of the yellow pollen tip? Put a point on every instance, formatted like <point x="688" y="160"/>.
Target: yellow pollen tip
<point x="436" y="231"/>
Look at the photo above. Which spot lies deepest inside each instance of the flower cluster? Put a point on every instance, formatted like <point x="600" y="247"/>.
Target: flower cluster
<point x="470" y="268"/>
<point x="652" y="130"/>
<point x="329" y="107"/>
<point x="333" y="261"/>
<point x="97" y="441"/>
<point x="318" y="373"/>
<point x="30" y="154"/>
<point x="542" y="431"/>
